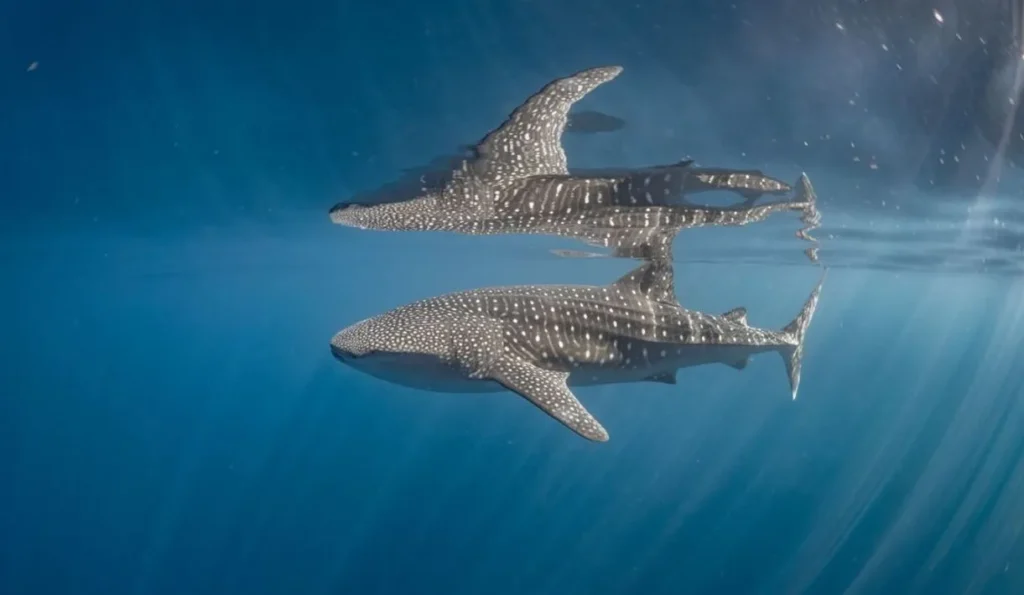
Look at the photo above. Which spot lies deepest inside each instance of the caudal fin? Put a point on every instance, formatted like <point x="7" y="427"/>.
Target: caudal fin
<point x="805" y="196"/>
<point x="792" y="354"/>
<point x="806" y="199"/>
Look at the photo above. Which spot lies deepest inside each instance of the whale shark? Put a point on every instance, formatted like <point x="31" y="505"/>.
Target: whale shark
<point x="432" y="176"/>
<point x="517" y="179"/>
<point x="649" y="232"/>
<point x="539" y="341"/>
<point x="435" y="173"/>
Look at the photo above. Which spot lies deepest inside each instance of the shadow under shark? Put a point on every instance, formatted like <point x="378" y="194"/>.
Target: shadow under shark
<point x="538" y="341"/>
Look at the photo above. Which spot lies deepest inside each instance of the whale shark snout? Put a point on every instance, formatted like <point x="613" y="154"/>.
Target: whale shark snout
<point x="347" y="214"/>
<point x="340" y="353"/>
<point x="353" y="342"/>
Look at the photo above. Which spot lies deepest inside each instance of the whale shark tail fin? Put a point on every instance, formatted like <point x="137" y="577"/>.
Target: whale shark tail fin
<point x="806" y="199"/>
<point x="792" y="354"/>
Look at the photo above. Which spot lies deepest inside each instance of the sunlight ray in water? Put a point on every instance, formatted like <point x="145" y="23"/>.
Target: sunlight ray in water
<point x="461" y="298"/>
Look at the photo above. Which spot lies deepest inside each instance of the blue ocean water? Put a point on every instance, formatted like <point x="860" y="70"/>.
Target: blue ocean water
<point x="171" y="418"/>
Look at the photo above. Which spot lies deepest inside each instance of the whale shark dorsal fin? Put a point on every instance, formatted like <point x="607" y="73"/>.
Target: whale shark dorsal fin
<point x="547" y="389"/>
<point x="529" y="142"/>
<point x="663" y="378"/>
<point x="653" y="279"/>
<point x="736" y="315"/>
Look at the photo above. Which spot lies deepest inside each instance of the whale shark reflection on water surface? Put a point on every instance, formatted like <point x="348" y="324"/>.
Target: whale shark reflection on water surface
<point x="517" y="181"/>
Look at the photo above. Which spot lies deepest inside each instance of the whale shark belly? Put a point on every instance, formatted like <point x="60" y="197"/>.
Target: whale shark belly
<point x="654" y="359"/>
<point x="423" y="372"/>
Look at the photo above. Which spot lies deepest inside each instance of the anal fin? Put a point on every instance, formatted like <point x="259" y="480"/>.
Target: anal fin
<point x="547" y="389"/>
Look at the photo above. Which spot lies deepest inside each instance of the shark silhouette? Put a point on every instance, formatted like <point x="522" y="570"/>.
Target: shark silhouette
<point x="538" y="341"/>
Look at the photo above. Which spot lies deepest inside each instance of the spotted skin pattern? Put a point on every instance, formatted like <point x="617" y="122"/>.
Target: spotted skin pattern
<point x="529" y="143"/>
<point x="539" y="340"/>
<point x="517" y="181"/>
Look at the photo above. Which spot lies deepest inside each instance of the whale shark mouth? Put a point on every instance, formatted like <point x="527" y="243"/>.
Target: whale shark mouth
<point x="343" y="213"/>
<point x="345" y="355"/>
<point x="346" y="344"/>
<point x="341" y="354"/>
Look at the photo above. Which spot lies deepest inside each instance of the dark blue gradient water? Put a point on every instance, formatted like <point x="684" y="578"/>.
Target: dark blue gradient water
<point x="171" y="418"/>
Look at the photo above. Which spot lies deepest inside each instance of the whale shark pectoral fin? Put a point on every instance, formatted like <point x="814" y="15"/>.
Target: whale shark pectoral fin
<point x="653" y="279"/>
<point x="548" y="390"/>
<point x="529" y="142"/>
<point x="738" y="315"/>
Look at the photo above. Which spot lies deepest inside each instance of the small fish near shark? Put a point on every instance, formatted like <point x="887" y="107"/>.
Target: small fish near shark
<point x="539" y="340"/>
<point x="517" y="179"/>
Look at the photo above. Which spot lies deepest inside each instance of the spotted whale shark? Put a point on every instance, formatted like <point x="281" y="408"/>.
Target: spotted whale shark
<point x="538" y="341"/>
<point x="517" y="180"/>
<point x="751" y="184"/>
<point x="649" y="232"/>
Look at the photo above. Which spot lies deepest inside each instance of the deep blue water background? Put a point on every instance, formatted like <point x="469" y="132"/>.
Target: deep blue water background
<point x="171" y="420"/>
